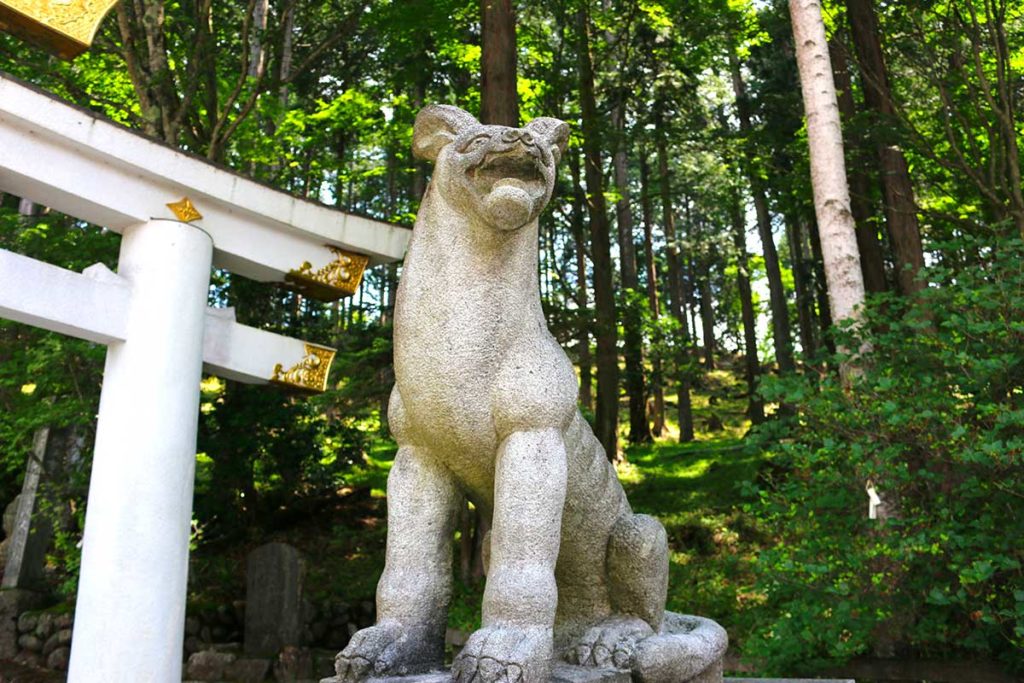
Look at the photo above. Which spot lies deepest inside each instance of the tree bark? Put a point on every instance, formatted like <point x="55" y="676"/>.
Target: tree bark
<point x="781" y="335"/>
<point x="836" y="229"/>
<point x="803" y="283"/>
<point x="639" y="430"/>
<point x="499" y="97"/>
<point x="674" y="279"/>
<point x="707" y="321"/>
<point x="580" y="238"/>
<point x="898" y="191"/>
<point x="656" y="384"/>
<point x="872" y="260"/>
<point x="820" y="288"/>
<point x="607" y="408"/>
<point x="751" y="364"/>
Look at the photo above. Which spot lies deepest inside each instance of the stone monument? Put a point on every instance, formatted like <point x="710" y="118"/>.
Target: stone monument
<point x="484" y="406"/>
<point x="273" y="599"/>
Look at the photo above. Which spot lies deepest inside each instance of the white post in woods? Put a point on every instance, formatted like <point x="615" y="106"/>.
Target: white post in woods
<point x="132" y="588"/>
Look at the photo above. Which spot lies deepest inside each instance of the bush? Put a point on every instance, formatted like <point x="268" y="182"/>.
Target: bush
<point x="936" y="422"/>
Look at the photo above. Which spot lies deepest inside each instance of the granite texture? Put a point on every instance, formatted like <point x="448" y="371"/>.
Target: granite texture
<point x="484" y="408"/>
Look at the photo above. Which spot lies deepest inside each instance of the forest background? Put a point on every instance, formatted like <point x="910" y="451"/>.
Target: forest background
<point x="680" y="266"/>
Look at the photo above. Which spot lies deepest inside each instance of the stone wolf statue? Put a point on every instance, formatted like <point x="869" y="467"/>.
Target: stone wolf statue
<point x="484" y="407"/>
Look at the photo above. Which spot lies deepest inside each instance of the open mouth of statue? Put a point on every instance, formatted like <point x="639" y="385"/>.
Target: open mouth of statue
<point x="510" y="169"/>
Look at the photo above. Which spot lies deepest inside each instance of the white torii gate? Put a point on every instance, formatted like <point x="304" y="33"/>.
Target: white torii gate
<point x="178" y="215"/>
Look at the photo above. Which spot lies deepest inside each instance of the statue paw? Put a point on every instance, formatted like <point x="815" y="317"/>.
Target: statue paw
<point x="384" y="649"/>
<point x="505" y="654"/>
<point x="612" y="643"/>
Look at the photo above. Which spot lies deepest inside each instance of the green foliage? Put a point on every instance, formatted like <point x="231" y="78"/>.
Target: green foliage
<point x="935" y="421"/>
<point x="262" y="451"/>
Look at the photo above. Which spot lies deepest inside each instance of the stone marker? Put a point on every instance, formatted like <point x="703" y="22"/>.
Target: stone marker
<point x="273" y="600"/>
<point x="485" y="406"/>
<point x="32" y="531"/>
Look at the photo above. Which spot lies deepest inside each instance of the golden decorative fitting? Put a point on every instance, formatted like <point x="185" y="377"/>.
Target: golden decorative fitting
<point x="185" y="210"/>
<point x="309" y="374"/>
<point x="64" y="27"/>
<point x="338" y="278"/>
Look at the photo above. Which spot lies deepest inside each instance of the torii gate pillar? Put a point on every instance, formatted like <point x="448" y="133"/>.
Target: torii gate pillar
<point x="138" y="519"/>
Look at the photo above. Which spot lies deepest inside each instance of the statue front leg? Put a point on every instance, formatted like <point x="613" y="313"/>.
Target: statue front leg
<point x="516" y="641"/>
<point x="415" y="588"/>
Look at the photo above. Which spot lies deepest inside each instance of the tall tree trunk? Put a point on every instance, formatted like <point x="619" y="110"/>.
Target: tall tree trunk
<point x="872" y="260"/>
<point x="751" y="364"/>
<point x="287" y="48"/>
<point x="657" y="390"/>
<point x="707" y="321"/>
<point x="781" y="334"/>
<point x="607" y="409"/>
<point x="639" y="430"/>
<point x="499" y="97"/>
<point x="820" y="288"/>
<point x="898" y="191"/>
<point x="257" y="45"/>
<point x="828" y="168"/>
<point x="675" y="289"/>
<point x="803" y="283"/>
<point x="579" y="199"/>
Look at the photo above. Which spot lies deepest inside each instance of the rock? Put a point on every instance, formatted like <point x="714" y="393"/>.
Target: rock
<point x="45" y="625"/>
<point x="225" y="615"/>
<point x="30" y="642"/>
<point x="294" y="664"/>
<point x="317" y="631"/>
<point x="58" y="659"/>
<point x="273" y="600"/>
<point x="233" y="648"/>
<point x="64" y="620"/>
<point x="58" y="639"/>
<point x="13" y="603"/>
<point x="208" y="665"/>
<point x="28" y="658"/>
<point x="192" y="626"/>
<point x="27" y="622"/>
<point x="193" y="645"/>
<point x="247" y="670"/>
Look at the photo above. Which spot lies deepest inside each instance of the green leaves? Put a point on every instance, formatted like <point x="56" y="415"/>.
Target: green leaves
<point x="935" y="423"/>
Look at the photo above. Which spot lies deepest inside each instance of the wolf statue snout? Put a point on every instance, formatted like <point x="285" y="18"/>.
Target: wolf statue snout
<point x="484" y="408"/>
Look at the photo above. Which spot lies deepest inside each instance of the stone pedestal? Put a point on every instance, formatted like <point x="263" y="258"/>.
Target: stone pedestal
<point x="563" y="673"/>
<point x="687" y="649"/>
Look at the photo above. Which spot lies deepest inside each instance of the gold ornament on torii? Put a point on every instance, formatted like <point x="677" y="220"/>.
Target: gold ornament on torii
<point x="340" y="277"/>
<point x="64" y="27"/>
<point x="309" y="374"/>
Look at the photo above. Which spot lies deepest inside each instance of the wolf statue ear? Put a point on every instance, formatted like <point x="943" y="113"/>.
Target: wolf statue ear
<point x="552" y="131"/>
<point x="437" y="125"/>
